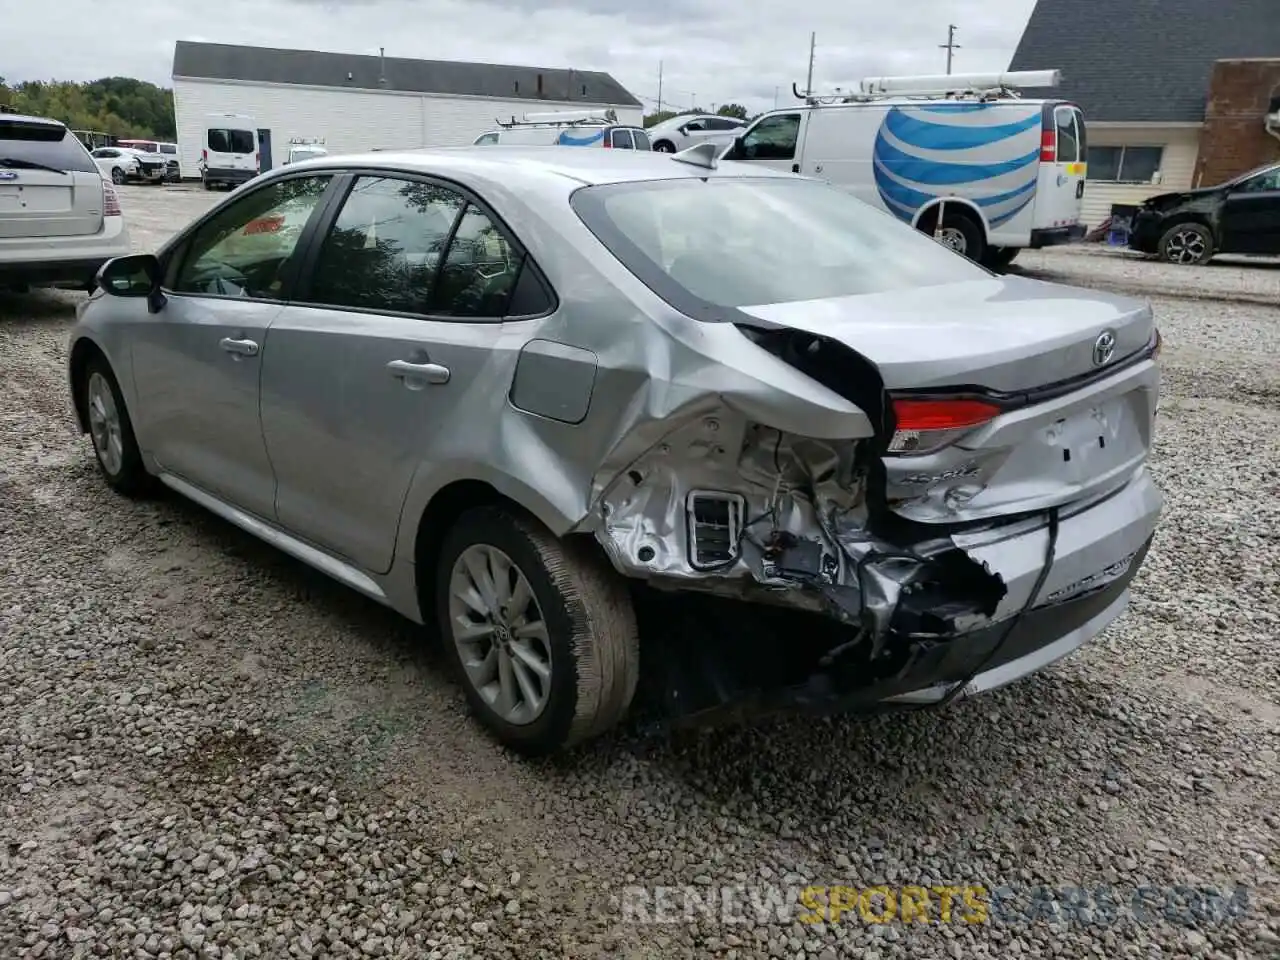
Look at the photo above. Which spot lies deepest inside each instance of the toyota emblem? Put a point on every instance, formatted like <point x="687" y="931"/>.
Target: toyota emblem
<point x="1104" y="348"/>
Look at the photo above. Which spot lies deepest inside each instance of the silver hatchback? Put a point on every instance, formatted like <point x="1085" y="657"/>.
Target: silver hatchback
<point x="524" y="393"/>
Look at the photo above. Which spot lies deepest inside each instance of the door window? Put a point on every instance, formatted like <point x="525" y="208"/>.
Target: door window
<point x="383" y="250"/>
<point x="695" y="126"/>
<point x="642" y="140"/>
<point x="478" y="272"/>
<point x="773" y="138"/>
<point x="621" y="139"/>
<point x="244" y="249"/>
<point x="1262" y="183"/>
<point x="232" y="141"/>
<point x="1068" y="137"/>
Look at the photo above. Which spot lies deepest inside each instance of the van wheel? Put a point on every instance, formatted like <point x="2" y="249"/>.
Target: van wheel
<point x="1187" y="244"/>
<point x="959" y="232"/>
<point x="541" y="631"/>
<point x="1000" y="258"/>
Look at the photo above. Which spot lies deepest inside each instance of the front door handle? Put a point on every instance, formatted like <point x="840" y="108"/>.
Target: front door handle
<point x="241" y="348"/>
<point x="414" y="372"/>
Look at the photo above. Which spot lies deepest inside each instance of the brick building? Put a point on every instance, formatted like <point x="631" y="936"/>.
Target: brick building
<point x="1175" y="92"/>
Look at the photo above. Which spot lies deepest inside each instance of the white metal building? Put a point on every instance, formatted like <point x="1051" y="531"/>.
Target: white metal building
<point x="359" y="103"/>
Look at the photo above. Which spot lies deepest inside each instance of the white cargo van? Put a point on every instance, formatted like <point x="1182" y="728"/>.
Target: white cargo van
<point x="568" y="128"/>
<point x="229" y="155"/>
<point x="962" y="157"/>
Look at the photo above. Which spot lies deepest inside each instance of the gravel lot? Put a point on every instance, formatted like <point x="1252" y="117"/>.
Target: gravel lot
<point x="207" y="751"/>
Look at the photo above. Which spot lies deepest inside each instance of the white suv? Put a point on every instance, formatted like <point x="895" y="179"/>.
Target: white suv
<point x="60" y="220"/>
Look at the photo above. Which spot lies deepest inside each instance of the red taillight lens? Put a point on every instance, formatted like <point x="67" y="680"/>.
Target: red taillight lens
<point x="1048" y="146"/>
<point x="928" y="425"/>
<point x="204" y="155"/>
<point x="607" y="143"/>
<point x="110" y="200"/>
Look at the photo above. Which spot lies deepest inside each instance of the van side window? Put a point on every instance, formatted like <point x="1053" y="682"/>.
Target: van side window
<point x="773" y="138"/>
<point x="621" y="139"/>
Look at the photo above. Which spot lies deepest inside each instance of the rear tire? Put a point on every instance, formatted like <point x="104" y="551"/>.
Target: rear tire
<point x="999" y="258"/>
<point x="1186" y="244"/>
<point x="551" y="656"/>
<point x="111" y="430"/>
<point x="960" y="233"/>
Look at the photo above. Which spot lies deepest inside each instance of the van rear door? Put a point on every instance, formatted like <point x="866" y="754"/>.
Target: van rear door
<point x="232" y="148"/>
<point x="1063" y="155"/>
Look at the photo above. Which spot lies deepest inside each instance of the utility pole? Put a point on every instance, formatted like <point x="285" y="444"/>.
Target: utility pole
<point x="659" y="86"/>
<point x="808" y="84"/>
<point x="950" y="46"/>
<point x="775" y="98"/>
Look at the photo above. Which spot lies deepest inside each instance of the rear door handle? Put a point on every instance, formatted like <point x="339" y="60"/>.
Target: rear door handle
<point x="412" y="373"/>
<point x="241" y="348"/>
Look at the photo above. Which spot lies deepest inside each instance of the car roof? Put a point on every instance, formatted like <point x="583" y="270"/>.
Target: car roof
<point x="29" y="119"/>
<point x="513" y="167"/>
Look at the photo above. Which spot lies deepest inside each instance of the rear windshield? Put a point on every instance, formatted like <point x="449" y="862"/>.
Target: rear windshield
<point x="231" y="141"/>
<point x="748" y="241"/>
<point x="48" y="145"/>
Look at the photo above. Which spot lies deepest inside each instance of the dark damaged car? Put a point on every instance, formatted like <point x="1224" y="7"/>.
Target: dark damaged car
<point x="524" y="392"/>
<point x="1190" y="227"/>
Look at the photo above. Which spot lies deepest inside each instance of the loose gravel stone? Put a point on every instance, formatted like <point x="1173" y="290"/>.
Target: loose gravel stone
<point x="208" y="751"/>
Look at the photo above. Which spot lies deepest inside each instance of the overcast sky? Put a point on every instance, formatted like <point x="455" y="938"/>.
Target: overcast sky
<point x="714" y="50"/>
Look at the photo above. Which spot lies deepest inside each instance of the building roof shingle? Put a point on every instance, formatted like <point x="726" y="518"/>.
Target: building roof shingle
<point x="1143" y="61"/>
<point x="221" y="61"/>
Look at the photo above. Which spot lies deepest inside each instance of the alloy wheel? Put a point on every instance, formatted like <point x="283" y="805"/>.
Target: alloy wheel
<point x="500" y="633"/>
<point x="1186" y="247"/>
<point x="104" y="424"/>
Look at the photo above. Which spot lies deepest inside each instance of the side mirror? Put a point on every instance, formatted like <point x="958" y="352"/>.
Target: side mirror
<point x="136" y="276"/>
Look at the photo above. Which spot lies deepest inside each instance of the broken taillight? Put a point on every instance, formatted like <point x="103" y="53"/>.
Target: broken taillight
<point x="925" y="426"/>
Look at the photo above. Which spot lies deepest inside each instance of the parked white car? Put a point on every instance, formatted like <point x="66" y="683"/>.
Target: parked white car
<point x="121" y="164"/>
<point x="674" y="135"/>
<point x="60" y="218"/>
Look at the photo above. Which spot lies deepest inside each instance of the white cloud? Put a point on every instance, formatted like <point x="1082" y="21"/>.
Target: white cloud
<point x="712" y="51"/>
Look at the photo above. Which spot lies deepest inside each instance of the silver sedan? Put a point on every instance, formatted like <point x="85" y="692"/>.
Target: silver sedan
<point x="527" y="393"/>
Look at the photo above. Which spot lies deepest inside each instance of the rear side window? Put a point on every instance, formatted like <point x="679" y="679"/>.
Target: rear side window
<point x="621" y="140"/>
<point x="642" y="140"/>
<point x="168" y="148"/>
<point x="25" y="145"/>
<point x="231" y="141"/>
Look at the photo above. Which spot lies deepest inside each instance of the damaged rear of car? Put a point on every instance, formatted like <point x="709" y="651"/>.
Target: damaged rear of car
<point x="944" y="469"/>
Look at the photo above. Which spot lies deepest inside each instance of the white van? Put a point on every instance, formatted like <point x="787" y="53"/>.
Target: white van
<point x="568" y="128"/>
<point x="961" y="157"/>
<point x="229" y="155"/>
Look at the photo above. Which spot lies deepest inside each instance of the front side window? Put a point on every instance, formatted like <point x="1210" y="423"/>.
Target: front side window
<point x="742" y="241"/>
<point x="485" y="139"/>
<point x="621" y="139"/>
<point x="773" y="138"/>
<point x="695" y="126"/>
<point x="242" y="251"/>
<point x="35" y="146"/>
<point x="1262" y="183"/>
<point x="642" y="140"/>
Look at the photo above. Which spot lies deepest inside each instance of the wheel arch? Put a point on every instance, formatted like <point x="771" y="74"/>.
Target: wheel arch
<point x="456" y="497"/>
<point x="83" y="351"/>
<point x="966" y="208"/>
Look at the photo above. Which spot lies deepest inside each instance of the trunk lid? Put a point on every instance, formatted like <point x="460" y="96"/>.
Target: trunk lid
<point x="49" y="185"/>
<point x="1004" y="339"/>
<point x="1005" y="334"/>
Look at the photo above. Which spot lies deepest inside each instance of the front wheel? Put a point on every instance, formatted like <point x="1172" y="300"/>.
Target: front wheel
<point x="541" y="631"/>
<point x="664" y="146"/>
<point x="114" y="444"/>
<point x="1187" y="244"/>
<point x="117" y="176"/>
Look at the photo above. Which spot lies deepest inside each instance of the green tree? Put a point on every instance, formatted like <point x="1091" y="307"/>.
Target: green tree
<point x="736" y="110"/>
<point x="120" y="106"/>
